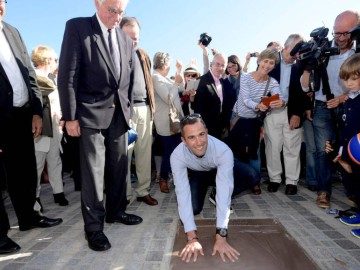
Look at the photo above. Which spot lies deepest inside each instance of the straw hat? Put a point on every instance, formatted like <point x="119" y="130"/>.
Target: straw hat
<point x="191" y="68"/>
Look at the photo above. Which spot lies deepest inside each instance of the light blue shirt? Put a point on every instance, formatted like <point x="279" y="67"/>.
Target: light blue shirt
<point x="285" y="70"/>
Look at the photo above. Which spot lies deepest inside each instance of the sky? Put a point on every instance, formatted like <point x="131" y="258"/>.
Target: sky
<point x="236" y="26"/>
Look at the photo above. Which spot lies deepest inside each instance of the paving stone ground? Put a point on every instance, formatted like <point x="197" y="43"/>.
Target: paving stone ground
<point x="148" y="246"/>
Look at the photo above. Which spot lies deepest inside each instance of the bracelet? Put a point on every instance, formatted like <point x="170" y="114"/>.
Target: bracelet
<point x="193" y="238"/>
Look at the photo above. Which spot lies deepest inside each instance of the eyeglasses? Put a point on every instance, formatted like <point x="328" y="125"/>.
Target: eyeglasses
<point x="232" y="66"/>
<point x="339" y="34"/>
<point x="191" y="75"/>
<point x="113" y="11"/>
<point x="191" y="117"/>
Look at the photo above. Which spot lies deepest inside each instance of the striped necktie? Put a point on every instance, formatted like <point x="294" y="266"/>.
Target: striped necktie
<point x="114" y="53"/>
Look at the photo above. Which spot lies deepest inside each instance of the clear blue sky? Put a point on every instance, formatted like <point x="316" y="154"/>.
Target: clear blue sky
<point x="175" y="26"/>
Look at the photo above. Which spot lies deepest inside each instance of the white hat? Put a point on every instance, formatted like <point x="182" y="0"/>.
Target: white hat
<point x="191" y="68"/>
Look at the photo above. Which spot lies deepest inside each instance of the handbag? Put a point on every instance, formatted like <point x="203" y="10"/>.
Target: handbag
<point x="234" y="121"/>
<point x="261" y="115"/>
<point x="174" y="118"/>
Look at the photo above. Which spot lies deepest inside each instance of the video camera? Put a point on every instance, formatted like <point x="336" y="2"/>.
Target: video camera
<point x="355" y="36"/>
<point x="316" y="51"/>
<point x="205" y="39"/>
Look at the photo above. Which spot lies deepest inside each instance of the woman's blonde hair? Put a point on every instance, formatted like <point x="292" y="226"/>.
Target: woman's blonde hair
<point x="269" y="53"/>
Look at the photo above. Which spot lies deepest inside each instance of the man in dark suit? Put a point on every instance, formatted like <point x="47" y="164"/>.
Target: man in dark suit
<point x="21" y="121"/>
<point x="282" y="127"/>
<point x="95" y="87"/>
<point x="214" y="98"/>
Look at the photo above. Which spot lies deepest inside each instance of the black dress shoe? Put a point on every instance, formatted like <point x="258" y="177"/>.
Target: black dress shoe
<point x="127" y="219"/>
<point x="7" y="245"/>
<point x="42" y="222"/>
<point x="97" y="241"/>
<point x="147" y="199"/>
<point x="273" y="187"/>
<point x="290" y="189"/>
<point x="60" y="199"/>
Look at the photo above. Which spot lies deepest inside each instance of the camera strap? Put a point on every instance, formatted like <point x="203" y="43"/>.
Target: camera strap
<point x="325" y="83"/>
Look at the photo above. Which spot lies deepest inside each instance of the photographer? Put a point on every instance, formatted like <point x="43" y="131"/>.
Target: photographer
<point x="320" y="127"/>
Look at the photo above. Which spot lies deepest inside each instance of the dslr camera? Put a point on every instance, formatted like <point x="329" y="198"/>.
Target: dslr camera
<point x="314" y="55"/>
<point x="316" y="51"/>
<point x="205" y="39"/>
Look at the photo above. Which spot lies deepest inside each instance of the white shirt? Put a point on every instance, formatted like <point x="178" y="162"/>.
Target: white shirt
<point x="105" y="32"/>
<point x="12" y="70"/>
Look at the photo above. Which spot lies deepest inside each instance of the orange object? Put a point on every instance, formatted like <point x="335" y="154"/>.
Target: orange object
<point x="266" y="100"/>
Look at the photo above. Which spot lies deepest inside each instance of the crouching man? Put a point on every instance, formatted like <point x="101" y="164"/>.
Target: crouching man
<point x="196" y="163"/>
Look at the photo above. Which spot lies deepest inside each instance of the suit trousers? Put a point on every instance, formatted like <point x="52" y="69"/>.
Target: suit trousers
<point x="141" y="121"/>
<point x="20" y="166"/>
<point x="278" y="136"/>
<point x="103" y="157"/>
<point x="54" y="166"/>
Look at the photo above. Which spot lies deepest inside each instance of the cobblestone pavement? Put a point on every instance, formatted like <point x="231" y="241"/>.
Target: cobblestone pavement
<point x="148" y="245"/>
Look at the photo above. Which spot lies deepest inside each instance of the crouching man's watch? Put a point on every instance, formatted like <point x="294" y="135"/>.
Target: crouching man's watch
<point x="223" y="232"/>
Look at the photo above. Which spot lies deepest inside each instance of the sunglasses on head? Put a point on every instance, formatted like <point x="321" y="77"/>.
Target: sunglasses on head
<point x="191" y="116"/>
<point x="191" y="75"/>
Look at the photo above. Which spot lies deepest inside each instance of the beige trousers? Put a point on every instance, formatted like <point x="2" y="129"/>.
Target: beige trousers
<point x="141" y="121"/>
<point x="278" y="136"/>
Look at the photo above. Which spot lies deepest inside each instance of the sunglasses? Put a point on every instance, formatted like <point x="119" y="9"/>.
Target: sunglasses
<point x="191" y="75"/>
<point x="191" y="116"/>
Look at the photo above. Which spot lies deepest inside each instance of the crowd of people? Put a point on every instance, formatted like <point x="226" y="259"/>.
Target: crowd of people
<point x="103" y="85"/>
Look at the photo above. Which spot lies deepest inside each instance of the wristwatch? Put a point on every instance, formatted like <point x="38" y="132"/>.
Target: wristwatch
<point x="223" y="232"/>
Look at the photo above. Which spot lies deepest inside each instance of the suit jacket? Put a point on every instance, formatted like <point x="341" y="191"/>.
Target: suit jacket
<point x="22" y="58"/>
<point x="87" y="83"/>
<point x="146" y="67"/>
<point x="298" y="101"/>
<point x="207" y="103"/>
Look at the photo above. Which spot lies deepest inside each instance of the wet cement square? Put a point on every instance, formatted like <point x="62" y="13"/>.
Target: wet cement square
<point x="262" y="243"/>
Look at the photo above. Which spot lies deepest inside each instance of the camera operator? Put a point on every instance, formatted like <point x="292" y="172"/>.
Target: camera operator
<point x="320" y="127"/>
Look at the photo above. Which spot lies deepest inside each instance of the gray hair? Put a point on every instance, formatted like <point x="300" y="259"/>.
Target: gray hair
<point x="100" y="2"/>
<point x="293" y="38"/>
<point x="161" y="59"/>
<point x="220" y="55"/>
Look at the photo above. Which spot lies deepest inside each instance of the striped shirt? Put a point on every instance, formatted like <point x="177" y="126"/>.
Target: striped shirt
<point x="250" y="95"/>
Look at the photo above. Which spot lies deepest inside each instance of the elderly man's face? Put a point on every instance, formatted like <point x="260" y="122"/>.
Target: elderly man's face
<point x="286" y="53"/>
<point x="218" y="66"/>
<point x="111" y="12"/>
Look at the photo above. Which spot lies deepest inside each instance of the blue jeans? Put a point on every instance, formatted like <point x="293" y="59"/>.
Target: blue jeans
<point x="245" y="177"/>
<point x="169" y="144"/>
<point x="309" y="137"/>
<point x="323" y="127"/>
